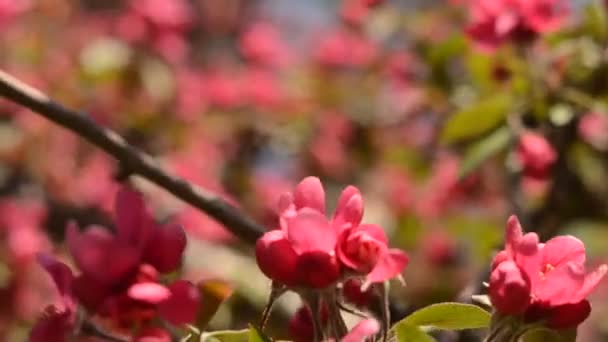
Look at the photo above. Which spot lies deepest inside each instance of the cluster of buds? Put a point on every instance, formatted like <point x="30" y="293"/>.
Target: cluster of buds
<point x="314" y="255"/>
<point x="540" y="284"/>
<point x="119" y="284"/>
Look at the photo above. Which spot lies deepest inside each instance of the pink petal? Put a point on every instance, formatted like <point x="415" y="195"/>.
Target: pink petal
<point x="53" y="326"/>
<point x="62" y="277"/>
<point x="90" y="292"/>
<point x="350" y="208"/>
<point x="362" y="247"/>
<point x="591" y="281"/>
<point x="391" y="265"/>
<point x="133" y="223"/>
<point x="505" y="23"/>
<point x="276" y="258"/>
<point x="509" y="289"/>
<point x="309" y="230"/>
<point x="568" y="315"/>
<point x="560" y="285"/>
<point x="152" y="293"/>
<point x="165" y="247"/>
<point x="362" y="331"/>
<point x="527" y="256"/>
<point x="182" y="305"/>
<point x="513" y="234"/>
<point x="97" y="254"/>
<point x="310" y="194"/>
<point x="563" y="249"/>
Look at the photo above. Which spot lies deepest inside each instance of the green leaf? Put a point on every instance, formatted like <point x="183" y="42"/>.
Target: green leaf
<point x="545" y="334"/>
<point x="255" y="335"/>
<point x="596" y="20"/>
<point x="449" y="316"/>
<point x="226" y="336"/>
<point x="410" y="333"/>
<point x="476" y="119"/>
<point x="484" y="149"/>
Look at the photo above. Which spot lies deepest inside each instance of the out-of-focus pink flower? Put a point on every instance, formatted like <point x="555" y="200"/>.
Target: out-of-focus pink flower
<point x="21" y="223"/>
<point x="263" y="89"/>
<point x="224" y="90"/>
<point x="190" y="97"/>
<point x="261" y="43"/>
<point x="9" y="9"/>
<point x="329" y="146"/>
<point x="593" y="128"/>
<point x="494" y="22"/>
<point x="57" y="321"/>
<point x="165" y="15"/>
<point x="535" y="155"/>
<point x="344" y="48"/>
<point x="543" y="282"/>
<point x="438" y="248"/>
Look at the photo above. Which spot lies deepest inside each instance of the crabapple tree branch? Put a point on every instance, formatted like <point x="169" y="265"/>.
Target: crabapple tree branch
<point x="131" y="159"/>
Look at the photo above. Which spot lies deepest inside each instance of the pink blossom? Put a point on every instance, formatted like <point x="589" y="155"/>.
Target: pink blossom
<point x="535" y="155"/>
<point x="494" y="22"/>
<point x="593" y="128"/>
<point x="542" y="281"/>
<point x="57" y="321"/>
<point x="345" y="49"/>
<point x="165" y="15"/>
<point x="314" y="249"/>
<point x="261" y="43"/>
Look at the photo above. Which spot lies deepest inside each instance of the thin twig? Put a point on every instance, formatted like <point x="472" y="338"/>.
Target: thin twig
<point x="130" y="158"/>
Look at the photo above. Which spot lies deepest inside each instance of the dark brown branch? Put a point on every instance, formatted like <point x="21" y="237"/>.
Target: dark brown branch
<point x="131" y="159"/>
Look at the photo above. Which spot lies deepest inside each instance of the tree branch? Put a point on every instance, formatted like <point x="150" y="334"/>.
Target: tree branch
<point x="130" y="158"/>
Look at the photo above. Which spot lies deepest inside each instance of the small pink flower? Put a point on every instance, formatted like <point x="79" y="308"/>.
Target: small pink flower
<point x="593" y="128"/>
<point x="313" y="249"/>
<point x="535" y="155"/>
<point x="262" y="43"/>
<point x="542" y="280"/>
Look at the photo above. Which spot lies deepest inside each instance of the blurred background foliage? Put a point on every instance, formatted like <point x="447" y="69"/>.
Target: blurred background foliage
<point x="246" y="97"/>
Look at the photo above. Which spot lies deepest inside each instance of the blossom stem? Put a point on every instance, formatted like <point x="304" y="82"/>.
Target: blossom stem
<point x="131" y="159"/>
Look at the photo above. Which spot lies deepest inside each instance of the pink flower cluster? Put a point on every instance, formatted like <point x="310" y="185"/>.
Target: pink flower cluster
<point x="311" y="250"/>
<point x="494" y="22"/>
<point x="536" y="155"/>
<point x="542" y="282"/>
<point x="120" y="274"/>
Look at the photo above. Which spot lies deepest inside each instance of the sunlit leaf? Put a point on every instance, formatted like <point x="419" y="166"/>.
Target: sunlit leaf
<point x="476" y="119"/>
<point x="410" y="333"/>
<point x="226" y="336"/>
<point x="255" y="335"/>
<point x="484" y="149"/>
<point x="449" y="316"/>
